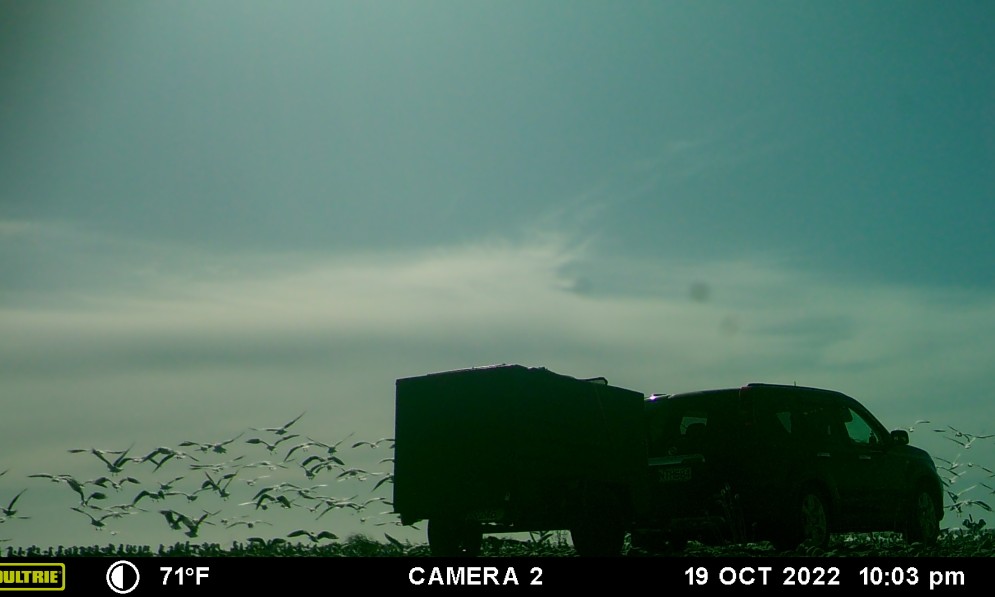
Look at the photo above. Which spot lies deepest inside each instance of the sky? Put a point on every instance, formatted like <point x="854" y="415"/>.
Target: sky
<point x="216" y="216"/>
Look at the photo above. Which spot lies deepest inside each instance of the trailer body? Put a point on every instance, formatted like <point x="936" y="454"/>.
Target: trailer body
<point x="513" y="448"/>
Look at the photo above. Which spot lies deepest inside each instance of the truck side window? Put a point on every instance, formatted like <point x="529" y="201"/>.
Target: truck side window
<point x="773" y="425"/>
<point x="693" y="423"/>
<point x="694" y="427"/>
<point x="860" y="431"/>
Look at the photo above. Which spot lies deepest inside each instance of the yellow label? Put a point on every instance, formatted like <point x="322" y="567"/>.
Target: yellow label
<point x="32" y="577"/>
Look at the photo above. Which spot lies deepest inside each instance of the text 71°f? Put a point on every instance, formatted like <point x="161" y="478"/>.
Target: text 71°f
<point x="179" y="573"/>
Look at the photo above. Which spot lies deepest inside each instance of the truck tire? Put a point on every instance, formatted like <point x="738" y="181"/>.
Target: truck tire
<point x="922" y="522"/>
<point x="448" y="537"/>
<point x="809" y="525"/>
<point x="599" y="530"/>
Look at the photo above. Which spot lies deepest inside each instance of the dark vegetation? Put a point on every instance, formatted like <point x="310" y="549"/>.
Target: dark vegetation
<point x="951" y="544"/>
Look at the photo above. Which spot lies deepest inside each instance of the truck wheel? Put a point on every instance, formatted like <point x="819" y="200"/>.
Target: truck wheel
<point x="449" y="537"/>
<point x="809" y="525"/>
<point x="922" y="524"/>
<point x="815" y="520"/>
<point x="473" y="538"/>
<point x="598" y="538"/>
<point x="600" y="530"/>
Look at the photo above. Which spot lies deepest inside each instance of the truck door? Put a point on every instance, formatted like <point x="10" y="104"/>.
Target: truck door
<point x="872" y="479"/>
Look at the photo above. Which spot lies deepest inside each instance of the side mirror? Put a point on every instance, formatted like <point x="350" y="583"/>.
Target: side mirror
<point x="900" y="436"/>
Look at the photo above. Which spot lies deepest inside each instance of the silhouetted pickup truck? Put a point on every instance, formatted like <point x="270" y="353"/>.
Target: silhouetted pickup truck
<point x="508" y="448"/>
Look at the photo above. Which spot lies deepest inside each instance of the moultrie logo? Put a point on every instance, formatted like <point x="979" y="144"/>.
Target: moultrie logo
<point x="32" y="577"/>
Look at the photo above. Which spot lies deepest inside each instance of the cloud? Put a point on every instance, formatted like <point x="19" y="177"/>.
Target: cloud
<point x="761" y="322"/>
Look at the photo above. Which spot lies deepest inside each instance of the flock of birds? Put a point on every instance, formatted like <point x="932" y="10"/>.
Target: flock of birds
<point x="951" y="471"/>
<point x="201" y="469"/>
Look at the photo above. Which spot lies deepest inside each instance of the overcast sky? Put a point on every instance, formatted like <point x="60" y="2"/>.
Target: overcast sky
<point x="219" y="215"/>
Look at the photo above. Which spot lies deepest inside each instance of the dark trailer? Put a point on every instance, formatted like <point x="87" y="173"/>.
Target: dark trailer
<point x="509" y="448"/>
